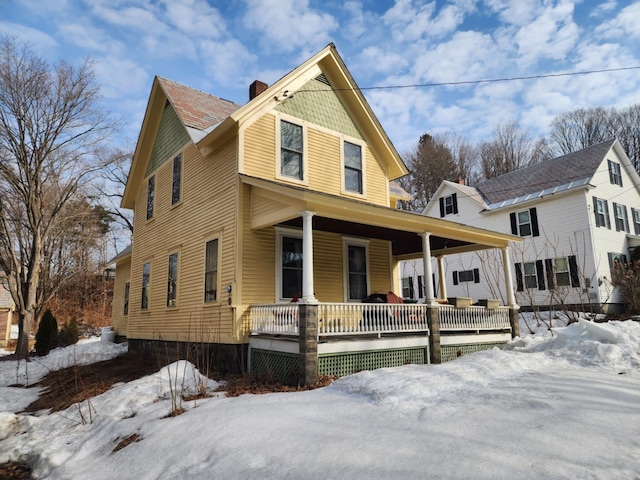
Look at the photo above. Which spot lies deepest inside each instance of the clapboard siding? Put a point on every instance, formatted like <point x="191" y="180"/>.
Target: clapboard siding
<point x="119" y="320"/>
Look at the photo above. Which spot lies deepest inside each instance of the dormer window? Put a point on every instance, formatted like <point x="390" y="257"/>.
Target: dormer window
<point x="615" y="175"/>
<point x="448" y="205"/>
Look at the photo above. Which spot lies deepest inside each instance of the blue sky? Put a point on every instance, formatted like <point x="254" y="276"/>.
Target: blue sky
<point x="222" y="46"/>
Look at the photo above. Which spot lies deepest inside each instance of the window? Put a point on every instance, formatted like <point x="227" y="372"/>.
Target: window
<point x="211" y="271"/>
<point x="353" y="168"/>
<point x="146" y="277"/>
<point x="172" y="280"/>
<point x="356" y="257"/>
<point x="466" y="276"/>
<point x="448" y="205"/>
<point x="291" y="277"/>
<point x="615" y="176"/>
<point x="150" y="195"/>
<point x="127" y="288"/>
<point x="601" y="212"/>
<point x="525" y="223"/>
<point x="177" y="175"/>
<point x="407" y="288"/>
<point x="620" y="214"/>
<point x="530" y="275"/>
<point x="562" y="272"/>
<point x="420" y="286"/>
<point x="636" y="220"/>
<point x="617" y="263"/>
<point x="291" y="150"/>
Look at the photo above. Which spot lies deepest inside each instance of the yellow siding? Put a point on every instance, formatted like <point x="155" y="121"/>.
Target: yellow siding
<point x="207" y="209"/>
<point x="118" y="319"/>
<point x="323" y="159"/>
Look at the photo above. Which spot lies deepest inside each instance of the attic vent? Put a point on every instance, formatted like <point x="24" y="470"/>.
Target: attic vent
<point x="323" y="79"/>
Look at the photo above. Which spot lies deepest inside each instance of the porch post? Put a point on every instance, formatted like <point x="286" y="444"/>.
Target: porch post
<point x="441" y="279"/>
<point x="514" y="308"/>
<point x="428" y="272"/>
<point x="308" y="295"/>
<point x="308" y="344"/>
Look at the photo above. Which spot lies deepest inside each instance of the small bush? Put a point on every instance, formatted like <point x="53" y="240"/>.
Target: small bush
<point x="47" y="334"/>
<point x="68" y="333"/>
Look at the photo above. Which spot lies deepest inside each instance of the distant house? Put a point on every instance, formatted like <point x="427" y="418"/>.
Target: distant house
<point x="578" y="215"/>
<point x="7" y="308"/>
<point x="241" y="210"/>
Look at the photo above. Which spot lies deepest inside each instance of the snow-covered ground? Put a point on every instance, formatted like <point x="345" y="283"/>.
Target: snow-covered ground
<point x="561" y="406"/>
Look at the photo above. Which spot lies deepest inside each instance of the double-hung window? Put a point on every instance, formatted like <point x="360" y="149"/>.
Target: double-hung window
<point x="525" y="223"/>
<point x="151" y="190"/>
<point x="127" y="289"/>
<point x="636" y="221"/>
<point x="356" y="263"/>
<point x="291" y="150"/>
<point x="176" y="180"/>
<point x="615" y="175"/>
<point x="622" y="221"/>
<point x="172" y="280"/>
<point x="448" y="205"/>
<point x="407" y="288"/>
<point x="530" y="275"/>
<point x="211" y="271"/>
<point x="146" y="280"/>
<point x="353" y="168"/>
<point x="601" y="212"/>
<point x="291" y="274"/>
<point x="561" y="267"/>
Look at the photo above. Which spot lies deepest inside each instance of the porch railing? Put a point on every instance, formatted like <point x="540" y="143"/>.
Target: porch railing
<point x="473" y="318"/>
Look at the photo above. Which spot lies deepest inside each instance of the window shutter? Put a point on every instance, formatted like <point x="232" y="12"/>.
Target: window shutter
<point x="455" y="277"/>
<point x="519" y="279"/>
<point x="441" y="207"/>
<point x="514" y="224"/>
<point x="595" y="211"/>
<point x="573" y="270"/>
<point x="476" y="275"/>
<point x="548" y="264"/>
<point x="626" y="219"/>
<point x="411" y="294"/>
<point x="454" y="200"/>
<point x="534" y="222"/>
<point x="606" y="213"/>
<point x="540" y="274"/>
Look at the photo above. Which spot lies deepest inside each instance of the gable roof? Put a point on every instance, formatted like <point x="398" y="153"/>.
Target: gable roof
<point x="560" y="173"/>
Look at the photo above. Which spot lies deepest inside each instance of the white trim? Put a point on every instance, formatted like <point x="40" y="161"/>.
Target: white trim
<point x="471" y="339"/>
<point x="362" y="145"/>
<point x="305" y="149"/>
<point x="358" y="242"/>
<point x="216" y="236"/>
<point x="373" y="344"/>
<point x="283" y="232"/>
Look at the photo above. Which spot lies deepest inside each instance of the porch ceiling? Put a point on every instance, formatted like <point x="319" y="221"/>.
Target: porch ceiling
<point x="356" y="218"/>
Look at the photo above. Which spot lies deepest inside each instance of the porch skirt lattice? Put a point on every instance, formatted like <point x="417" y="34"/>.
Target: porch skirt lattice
<point x="347" y="363"/>
<point x="451" y="352"/>
<point x="275" y="366"/>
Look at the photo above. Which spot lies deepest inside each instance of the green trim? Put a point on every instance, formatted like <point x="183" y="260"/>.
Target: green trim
<point x="171" y="137"/>
<point x="275" y="366"/>
<point x="341" y="364"/>
<point x="451" y="352"/>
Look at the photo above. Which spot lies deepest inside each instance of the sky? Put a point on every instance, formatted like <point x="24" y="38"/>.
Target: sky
<point x="561" y="405"/>
<point x="220" y="47"/>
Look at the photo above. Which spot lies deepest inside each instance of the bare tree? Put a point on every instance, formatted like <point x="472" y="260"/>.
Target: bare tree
<point x="50" y="126"/>
<point x="625" y="124"/>
<point x="510" y="149"/>
<point x="114" y="180"/>
<point x="580" y="128"/>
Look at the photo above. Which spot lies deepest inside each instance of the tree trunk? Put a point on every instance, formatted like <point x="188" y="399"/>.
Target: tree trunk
<point x="25" y="323"/>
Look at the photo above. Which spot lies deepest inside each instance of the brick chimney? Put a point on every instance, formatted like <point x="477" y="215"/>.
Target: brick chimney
<point x="461" y="181"/>
<point x="256" y="88"/>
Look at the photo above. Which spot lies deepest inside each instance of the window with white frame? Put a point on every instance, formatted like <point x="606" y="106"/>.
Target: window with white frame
<point x="353" y="180"/>
<point x="461" y="276"/>
<point x="601" y="212"/>
<point x="291" y="267"/>
<point x="151" y="190"/>
<point x="172" y="280"/>
<point x="176" y="179"/>
<point x="615" y="175"/>
<point x="448" y="205"/>
<point x="407" y="288"/>
<point x="420" y="286"/>
<point x="127" y="289"/>
<point x="146" y="280"/>
<point x="530" y="275"/>
<point x="561" y="270"/>
<point x="525" y="223"/>
<point x="211" y="262"/>
<point x="636" y="220"/>
<point x="356" y="269"/>
<point x="621" y="219"/>
<point x="291" y="150"/>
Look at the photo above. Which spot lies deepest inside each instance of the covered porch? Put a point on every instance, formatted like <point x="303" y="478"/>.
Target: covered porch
<point x="345" y="333"/>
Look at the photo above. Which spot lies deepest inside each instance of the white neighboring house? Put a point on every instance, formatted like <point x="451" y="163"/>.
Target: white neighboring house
<point x="578" y="214"/>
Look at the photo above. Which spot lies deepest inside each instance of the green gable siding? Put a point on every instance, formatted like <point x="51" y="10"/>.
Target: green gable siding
<point x="318" y="104"/>
<point x="171" y="136"/>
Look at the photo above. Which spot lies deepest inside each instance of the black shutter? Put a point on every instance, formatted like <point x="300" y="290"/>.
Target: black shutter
<point x="595" y="212"/>
<point x="548" y="264"/>
<point x="606" y="213"/>
<point x="441" y="207"/>
<point x="476" y="275"/>
<point x="514" y="224"/>
<point x="540" y="274"/>
<point x="534" y="222"/>
<point x="573" y="270"/>
<point x="454" y="200"/>
<point x="411" y="295"/>
<point x="519" y="279"/>
<point x="455" y="277"/>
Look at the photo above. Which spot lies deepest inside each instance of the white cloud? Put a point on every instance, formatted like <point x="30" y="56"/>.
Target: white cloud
<point x="84" y="36"/>
<point x="356" y="24"/>
<point x="376" y="60"/>
<point x="625" y="24"/>
<point x="195" y="17"/>
<point x="38" y="39"/>
<point x="603" y="9"/>
<point x="409" y="23"/>
<point x="289" y="25"/>
<point x="120" y="76"/>
<point x="227" y="62"/>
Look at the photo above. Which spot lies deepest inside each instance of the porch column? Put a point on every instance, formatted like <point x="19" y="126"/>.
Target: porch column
<point x="428" y="272"/>
<point x="308" y="344"/>
<point x="441" y="279"/>
<point x="514" y="308"/>
<point x="308" y="295"/>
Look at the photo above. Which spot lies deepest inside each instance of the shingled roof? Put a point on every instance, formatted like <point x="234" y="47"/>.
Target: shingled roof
<point x="575" y="167"/>
<point x="196" y="109"/>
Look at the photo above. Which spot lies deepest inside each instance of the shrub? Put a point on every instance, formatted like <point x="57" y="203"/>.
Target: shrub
<point x="47" y="334"/>
<point x="627" y="280"/>
<point x="68" y="333"/>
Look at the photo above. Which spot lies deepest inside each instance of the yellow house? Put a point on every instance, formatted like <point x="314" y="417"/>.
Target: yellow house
<point x="241" y="209"/>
